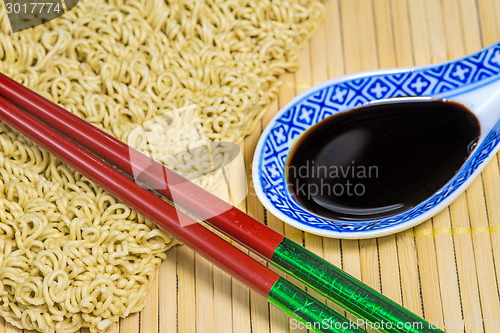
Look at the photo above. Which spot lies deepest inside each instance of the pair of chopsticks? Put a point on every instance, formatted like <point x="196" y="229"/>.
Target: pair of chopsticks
<point x="25" y="110"/>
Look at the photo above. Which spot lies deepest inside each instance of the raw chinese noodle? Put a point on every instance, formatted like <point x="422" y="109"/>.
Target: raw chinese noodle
<point x="71" y="255"/>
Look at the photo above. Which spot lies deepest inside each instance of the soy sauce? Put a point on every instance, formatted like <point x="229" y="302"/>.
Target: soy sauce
<point x="380" y="160"/>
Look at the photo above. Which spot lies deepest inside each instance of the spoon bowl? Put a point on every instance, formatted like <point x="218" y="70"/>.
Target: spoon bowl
<point x="380" y="159"/>
<point x="472" y="81"/>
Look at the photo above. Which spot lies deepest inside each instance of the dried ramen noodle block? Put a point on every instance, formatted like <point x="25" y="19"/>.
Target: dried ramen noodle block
<point x="178" y="80"/>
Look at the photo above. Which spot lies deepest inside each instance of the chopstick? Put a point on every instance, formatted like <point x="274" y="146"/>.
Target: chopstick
<point x="297" y="261"/>
<point x="259" y="278"/>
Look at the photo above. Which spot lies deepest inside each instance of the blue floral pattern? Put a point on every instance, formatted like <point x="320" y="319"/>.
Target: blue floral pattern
<point x="328" y="99"/>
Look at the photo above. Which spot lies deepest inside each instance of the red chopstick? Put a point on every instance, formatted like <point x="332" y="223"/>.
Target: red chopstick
<point x="259" y="278"/>
<point x="218" y="213"/>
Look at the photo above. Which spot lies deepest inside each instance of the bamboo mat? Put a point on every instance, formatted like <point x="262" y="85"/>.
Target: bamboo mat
<point x="446" y="269"/>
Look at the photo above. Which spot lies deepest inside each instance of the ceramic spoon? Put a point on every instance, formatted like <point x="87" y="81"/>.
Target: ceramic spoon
<point x="472" y="81"/>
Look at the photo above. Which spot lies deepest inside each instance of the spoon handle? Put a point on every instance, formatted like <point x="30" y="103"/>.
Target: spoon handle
<point x="348" y="292"/>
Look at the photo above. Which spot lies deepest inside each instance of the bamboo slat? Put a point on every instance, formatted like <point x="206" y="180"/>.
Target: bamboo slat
<point x="483" y="253"/>
<point x="186" y="296"/>
<point x="448" y="277"/>
<point x="352" y="60"/>
<point x="488" y="10"/>
<point x="222" y="302"/>
<point x="491" y="181"/>
<point x="167" y="293"/>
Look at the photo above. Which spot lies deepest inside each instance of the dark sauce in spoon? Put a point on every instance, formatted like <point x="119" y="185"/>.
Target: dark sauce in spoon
<point x="380" y="159"/>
